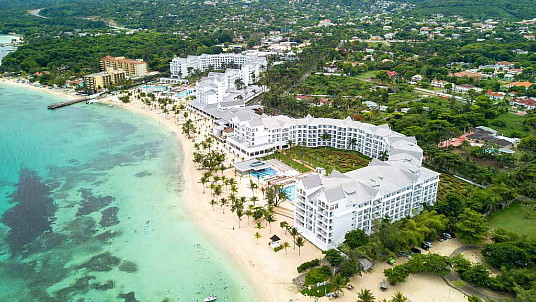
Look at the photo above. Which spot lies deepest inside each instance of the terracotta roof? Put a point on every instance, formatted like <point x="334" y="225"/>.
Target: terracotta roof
<point x="524" y="84"/>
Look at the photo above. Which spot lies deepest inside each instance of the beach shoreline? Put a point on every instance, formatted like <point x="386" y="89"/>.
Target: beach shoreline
<point x="209" y="222"/>
<point x="55" y="91"/>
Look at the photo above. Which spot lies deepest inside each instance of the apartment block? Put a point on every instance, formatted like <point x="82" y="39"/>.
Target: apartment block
<point x="97" y="81"/>
<point x="132" y="68"/>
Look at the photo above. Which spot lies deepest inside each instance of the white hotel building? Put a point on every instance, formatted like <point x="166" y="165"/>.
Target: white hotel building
<point x="262" y="135"/>
<point x="253" y="65"/>
<point x="326" y="208"/>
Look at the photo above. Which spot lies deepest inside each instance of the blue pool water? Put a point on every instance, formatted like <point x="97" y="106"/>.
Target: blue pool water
<point x="186" y="92"/>
<point x="264" y="173"/>
<point x="153" y="88"/>
<point x="291" y="192"/>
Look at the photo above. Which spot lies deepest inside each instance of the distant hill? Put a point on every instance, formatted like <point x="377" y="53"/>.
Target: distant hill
<point x="505" y="9"/>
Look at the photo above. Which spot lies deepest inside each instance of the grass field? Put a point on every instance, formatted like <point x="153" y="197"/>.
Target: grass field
<point x="510" y="125"/>
<point x="513" y="219"/>
<point x="367" y="75"/>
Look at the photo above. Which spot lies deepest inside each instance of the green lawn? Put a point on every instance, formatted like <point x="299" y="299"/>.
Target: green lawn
<point x="367" y="75"/>
<point x="513" y="219"/>
<point x="510" y="125"/>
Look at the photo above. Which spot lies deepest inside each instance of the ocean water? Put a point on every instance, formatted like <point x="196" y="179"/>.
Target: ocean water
<point x="91" y="210"/>
<point x="4" y="50"/>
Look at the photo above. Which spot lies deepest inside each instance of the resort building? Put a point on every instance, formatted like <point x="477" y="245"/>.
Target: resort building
<point x="256" y="135"/>
<point x="97" y="81"/>
<point x="326" y="208"/>
<point x="251" y="65"/>
<point x="132" y="68"/>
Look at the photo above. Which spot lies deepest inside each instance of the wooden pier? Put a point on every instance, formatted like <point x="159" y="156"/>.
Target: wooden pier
<point x="63" y="104"/>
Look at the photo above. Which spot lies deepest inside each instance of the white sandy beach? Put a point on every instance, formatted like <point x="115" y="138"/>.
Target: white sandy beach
<point x="268" y="272"/>
<point x="55" y="91"/>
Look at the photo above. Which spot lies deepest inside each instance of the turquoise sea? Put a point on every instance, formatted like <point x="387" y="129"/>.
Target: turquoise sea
<point x="4" y="50"/>
<point x="91" y="210"/>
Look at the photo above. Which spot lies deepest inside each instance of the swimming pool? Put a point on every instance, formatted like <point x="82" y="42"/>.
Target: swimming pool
<point x="186" y="92"/>
<point x="264" y="173"/>
<point x="291" y="192"/>
<point x="153" y="88"/>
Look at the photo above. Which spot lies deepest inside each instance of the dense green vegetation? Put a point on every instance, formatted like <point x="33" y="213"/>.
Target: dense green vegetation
<point x="477" y="8"/>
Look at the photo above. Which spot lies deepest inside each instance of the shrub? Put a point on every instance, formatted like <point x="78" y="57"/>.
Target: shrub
<point x="316" y="275"/>
<point x="307" y="265"/>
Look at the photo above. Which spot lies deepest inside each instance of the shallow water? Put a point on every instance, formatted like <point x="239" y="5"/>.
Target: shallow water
<point x="90" y="207"/>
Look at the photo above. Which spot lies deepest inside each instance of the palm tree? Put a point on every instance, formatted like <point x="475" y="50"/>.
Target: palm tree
<point x="239" y="214"/>
<point x="399" y="297"/>
<point x="339" y="282"/>
<point x="299" y="243"/>
<point x="285" y="245"/>
<point x="365" y="295"/>
<point x="269" y="216"/>
<point x="259" y="226"/>
<point x="352" y="142"/>
<point x="223" y="203"/>
<point x="213" y="202"/>
<point x="257" y="236"/>
<point x="293" y="232"/>
<point x="284" y="225"/>
<point x="252" y="186"/>
<point x="254" y="199"/>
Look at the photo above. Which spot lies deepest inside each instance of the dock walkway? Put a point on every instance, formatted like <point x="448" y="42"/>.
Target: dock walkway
<point x="63" y="104"/>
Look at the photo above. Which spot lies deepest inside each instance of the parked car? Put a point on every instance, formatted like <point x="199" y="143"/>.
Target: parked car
<point x="427" y="245"/>
<point x="447" y="236"/>
<point x="414" y="250"/>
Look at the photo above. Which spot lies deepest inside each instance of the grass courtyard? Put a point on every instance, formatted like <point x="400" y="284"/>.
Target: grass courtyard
<point x="306" y="159"/>
<point x="513" y="219"/>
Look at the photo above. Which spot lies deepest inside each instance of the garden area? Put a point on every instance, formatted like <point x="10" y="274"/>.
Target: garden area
<point x="449" y="184"/>
<point x="306" y="159"/>
<point x="514" y="219"/>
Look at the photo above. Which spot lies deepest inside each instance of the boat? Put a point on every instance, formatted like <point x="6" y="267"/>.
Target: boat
<point x="211" y="298"/>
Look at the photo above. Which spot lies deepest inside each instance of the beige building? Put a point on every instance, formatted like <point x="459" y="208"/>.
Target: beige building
<point x="132" y="68"/>
<point x="97" y="81"/>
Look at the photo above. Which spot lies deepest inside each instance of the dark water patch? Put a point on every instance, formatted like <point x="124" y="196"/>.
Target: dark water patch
<point x="128" y="297"/>
<point x="128" y="266"/>
<point x="81" y="229"/>
<point x="80" y="286"/>
<point x="104" y="286"/>
<point x="104" y="262"/>
<point x="33" y="214"/>
<point x="46" y="242"/>
<point x="106" y="237"/>
<point x="91" y="203"/>
<point x="109" y="217"/>
<point x="143" y="174"/>
<point x="73" y="161"/>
